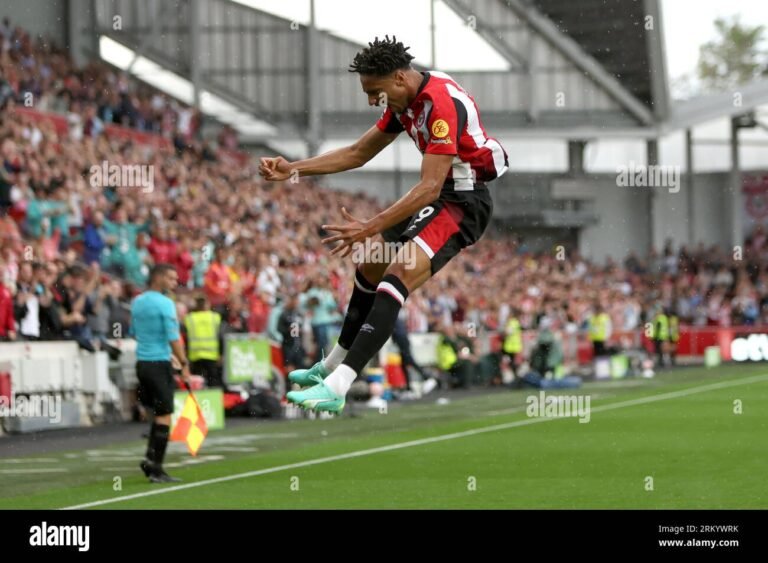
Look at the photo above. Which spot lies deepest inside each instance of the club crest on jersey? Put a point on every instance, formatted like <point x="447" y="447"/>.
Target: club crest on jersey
<point x="440" y="128"/>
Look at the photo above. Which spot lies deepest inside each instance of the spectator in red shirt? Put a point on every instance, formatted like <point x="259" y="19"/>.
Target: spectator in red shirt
<point x="245" y="278"/>
<point x="258" y="306"/>
<point x="162" y="249"/>
<point x="7" y="324"/>
<point x="184" y="261"/>
<point x="218" y="281"/>
<point x="9" y="230"/>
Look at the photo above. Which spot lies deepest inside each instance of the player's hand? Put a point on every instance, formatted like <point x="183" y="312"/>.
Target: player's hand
<point x="349" y="234"/>
<point x="275" y="169"/>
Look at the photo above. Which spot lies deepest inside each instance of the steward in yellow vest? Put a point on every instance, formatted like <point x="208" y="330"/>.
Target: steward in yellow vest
<point x="660" y="338"/>
<point x="599" y="330"/>
<point x="203" y="328"/>
<point x="513" y="342"/>
<point x="674" y="336"/>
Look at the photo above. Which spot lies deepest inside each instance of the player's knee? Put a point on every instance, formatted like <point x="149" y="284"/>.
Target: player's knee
<point x="371" y="272"/>
<point x="412" y="272"/>
<point x="396" y="269"/>
<point x="408" y="276"/>
<point x="394" y="286"/>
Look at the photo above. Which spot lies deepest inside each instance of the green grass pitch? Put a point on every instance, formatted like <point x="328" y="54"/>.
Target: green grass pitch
<point x="692" y="438"/>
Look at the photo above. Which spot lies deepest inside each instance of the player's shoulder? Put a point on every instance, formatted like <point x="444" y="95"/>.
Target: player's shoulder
<point x="441" y="84"/>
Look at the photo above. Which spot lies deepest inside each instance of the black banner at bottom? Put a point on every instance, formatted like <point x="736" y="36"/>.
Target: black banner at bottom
<point x="173" y="533"/>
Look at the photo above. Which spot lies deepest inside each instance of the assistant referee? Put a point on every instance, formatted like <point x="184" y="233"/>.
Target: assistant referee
<point x="156" y="328"/>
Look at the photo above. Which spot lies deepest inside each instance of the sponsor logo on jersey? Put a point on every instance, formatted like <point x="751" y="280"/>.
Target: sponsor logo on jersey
<point x="440" y="128"/>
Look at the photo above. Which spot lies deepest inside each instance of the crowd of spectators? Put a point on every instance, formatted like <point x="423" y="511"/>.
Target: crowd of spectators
<point x="73" y="252"/>
<point x="39" y="74"/>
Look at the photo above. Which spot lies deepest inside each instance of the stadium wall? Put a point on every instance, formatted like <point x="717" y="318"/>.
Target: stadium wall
<point x="623" y="224"/>
<point x="672" y="213"/>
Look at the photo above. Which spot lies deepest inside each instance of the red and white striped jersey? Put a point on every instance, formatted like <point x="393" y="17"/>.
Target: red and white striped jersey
<point x="444" y="119"/>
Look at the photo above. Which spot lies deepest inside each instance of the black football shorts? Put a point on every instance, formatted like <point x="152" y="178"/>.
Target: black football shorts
<point x="457" y="219"/>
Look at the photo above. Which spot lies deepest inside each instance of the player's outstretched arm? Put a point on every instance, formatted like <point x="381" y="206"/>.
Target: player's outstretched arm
<point x="434" y="170"/>
<point x="346" y="158"/>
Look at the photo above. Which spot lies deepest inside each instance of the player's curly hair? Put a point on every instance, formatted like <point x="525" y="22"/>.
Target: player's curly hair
<point x="382" y="57"/>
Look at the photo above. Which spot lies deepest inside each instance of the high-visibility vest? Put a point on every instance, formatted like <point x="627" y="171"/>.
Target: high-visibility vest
<point x="598" y="327"/>
<point x="661" y="327"/>
<point x="446" y="356"/>
<point x="203" y="335"/>
<point x="674" y="328"/>
<point x="513" y="343"/>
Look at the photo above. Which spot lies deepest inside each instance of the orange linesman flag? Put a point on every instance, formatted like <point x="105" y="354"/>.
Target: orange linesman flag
<point x="191" y="426"/>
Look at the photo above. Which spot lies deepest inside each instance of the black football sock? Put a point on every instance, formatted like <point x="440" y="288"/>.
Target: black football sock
<point x="391" y="293"/>
<point x="360" y="305"/>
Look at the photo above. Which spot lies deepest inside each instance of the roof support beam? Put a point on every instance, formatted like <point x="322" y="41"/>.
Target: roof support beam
<point x="515" y="58"/>
<point x="656" y="59"/>
<point x="570" y="49"/>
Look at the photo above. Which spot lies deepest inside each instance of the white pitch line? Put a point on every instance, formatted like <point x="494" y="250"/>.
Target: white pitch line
<point x="505" y="411"/>
<point x="421" y="442"/>
<point x="21" y="471"/>
<point x="31" y="460"/>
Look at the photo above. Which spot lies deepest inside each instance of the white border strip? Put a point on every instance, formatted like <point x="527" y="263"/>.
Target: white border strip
<point x="424" y="246"/>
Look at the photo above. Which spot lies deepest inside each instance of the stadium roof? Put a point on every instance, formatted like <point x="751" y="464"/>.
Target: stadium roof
<point x="744" y="99"/>
<point x="254" y="61"/>
<point x="599" y="51"/>
<point x="613" y="33"/>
